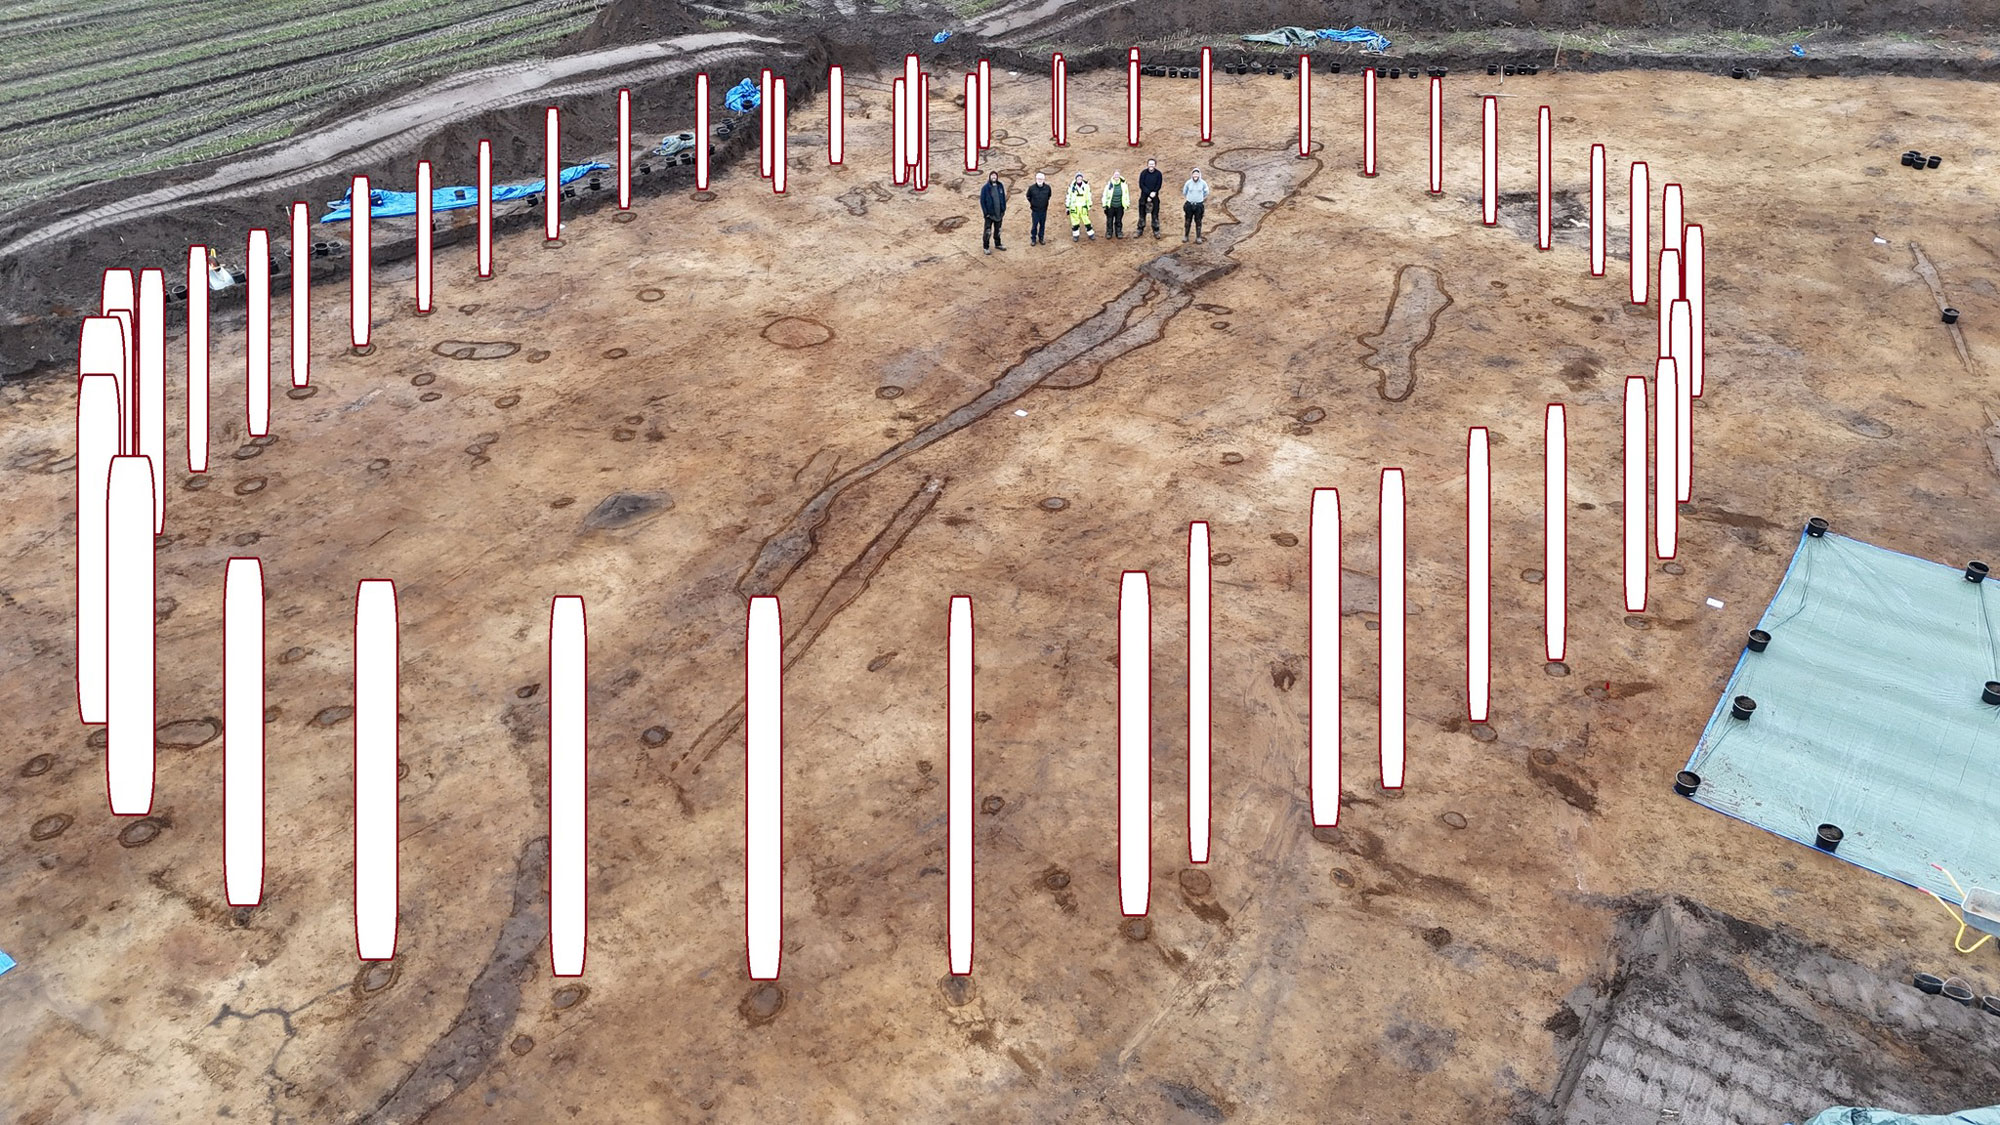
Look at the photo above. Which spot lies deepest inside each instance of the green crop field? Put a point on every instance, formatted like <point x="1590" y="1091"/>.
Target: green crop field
<point x="92" y="90"/>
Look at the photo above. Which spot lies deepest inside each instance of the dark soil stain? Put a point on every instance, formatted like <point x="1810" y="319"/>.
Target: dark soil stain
<point x="762" y="1003"/>
<point x="627" y="509"/>
<point x="475" y="349"/>
<point x="1573" y="791"/>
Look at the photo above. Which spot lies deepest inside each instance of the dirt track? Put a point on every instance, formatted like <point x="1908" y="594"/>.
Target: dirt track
<point x="738" y="355"/>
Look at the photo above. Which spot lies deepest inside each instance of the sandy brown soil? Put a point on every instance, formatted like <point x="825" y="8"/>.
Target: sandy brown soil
<point x="737" y="354"/>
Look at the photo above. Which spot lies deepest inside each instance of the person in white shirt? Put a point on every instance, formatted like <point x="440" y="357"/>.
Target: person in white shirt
<point x="1194" y="201"/>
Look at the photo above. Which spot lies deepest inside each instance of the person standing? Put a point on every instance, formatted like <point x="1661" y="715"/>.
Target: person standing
<point x="1116" y="196"/>
<point x="1150" y="182"/>
<point x="1194" y="201"/>
<point x="1077" y="203"/>
<point x="1038" y="210"/>
<point x="993" y="205"/>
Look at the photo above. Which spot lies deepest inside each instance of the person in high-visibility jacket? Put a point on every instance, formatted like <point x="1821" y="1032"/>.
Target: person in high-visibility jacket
<point x="1077" y="201"/>
<point x="1116" y="196"/>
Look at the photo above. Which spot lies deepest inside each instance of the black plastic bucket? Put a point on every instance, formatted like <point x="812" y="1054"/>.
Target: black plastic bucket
<point x="1492" y="68"/>
<point x="1951" y="316"/>
<point x="1686" y="782"/>
<point x="1759" y="640"/>
<point x="1816" y="527"/>
<point x="1976" y="571"/>
<point x="1933" y="161"/>
<point x="1828" y="837"/>
<point x="1957" y="992"/>
<point x="1928" y="982"/>
<point x="1742" y="707"/>
<point x="1991" y="693"/>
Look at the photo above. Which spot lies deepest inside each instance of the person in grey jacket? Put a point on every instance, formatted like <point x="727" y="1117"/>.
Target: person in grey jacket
<point x="993" y="205"/>
<point x="1194" y="201"/>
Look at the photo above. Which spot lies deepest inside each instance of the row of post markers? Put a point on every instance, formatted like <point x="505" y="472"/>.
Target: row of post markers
<point x="121" y="506"/>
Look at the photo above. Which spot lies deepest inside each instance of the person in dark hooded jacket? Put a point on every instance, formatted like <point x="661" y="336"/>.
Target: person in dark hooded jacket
<point x="1150" y="182"/>
<point x="1038" y="209"/>
<point x="993" y="205"/>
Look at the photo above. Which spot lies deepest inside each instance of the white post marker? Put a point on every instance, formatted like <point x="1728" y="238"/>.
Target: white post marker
<point x="243" y="732"/>
<point x="1132" y="97"/>
<point x="96" y="444"/>
<point x="121" y="300"/>
<point x="363" y="210"/>
<point x="424" y="236"/>
<point x="923" y="116"/>
<point x="1694" y="288"/>
<point x="1478" y="574"/>
<point x="1490" y="160"/>
<point x="779" y="122"/>
<point x="1135" y="750"/>
<point x="764" y="121"/>
<point x="624" y="149"/>
<point x="958" y="777"/>
<point x="1437" y="136"/>
<point x="1207" y="95"/>
<point x="1597" y="210"/>
<point x="909" y="121"/>
<point x="1367" y="120"/>
<point x="701" y="131"/>
<point x="485" y="209"/>
<point x="1635" y="494"/>
<point x="1670" y="291"/>
<point x="257" y="334"/>
<point x="1681" y="348"/>
<point x="1061" y="104"/>
<point x="197" y="359"/>
<point x="1395" y="625"/>
<point x="301" y="296"/>
<point x="1555" y="532"/>
<point x="972" y="123"/>
<point x="1200" y="667"/>
<point x="552" y="176"/>
<point x="1305" y="107"/>
<point x="152" y="352"/>
<point x="1544" y="173"/>
<point x="763" y="790"/>
<point x="1666" y="462"/>
<point x="568" y="731"/>
<point x="836" y="110"/>
<point x="1641" y="221"/>
<point x="375" y="738"/>
<point x="130" y="588"/>
<point x="985" y="104"/>
<point x="1671" y="217"/>
<point x="1323" y="656"/>
<point x="901" y="159"/>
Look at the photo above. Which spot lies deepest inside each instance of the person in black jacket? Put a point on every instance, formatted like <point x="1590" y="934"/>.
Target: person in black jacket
<point x="992" y="204"/>
<point x="1150" y="182"/>
<point x="1038" y="209"/>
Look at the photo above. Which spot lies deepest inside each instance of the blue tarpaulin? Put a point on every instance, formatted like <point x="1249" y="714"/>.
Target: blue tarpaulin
<point x="391" y="204"/>
<point x="941" y="37"/>
<point x="743" y="97"/>
<point x="1299" y="37"/>
<point x="1375" y="40"/>
<point x="6" y="962"/>
<point x="1847" y="1115"/>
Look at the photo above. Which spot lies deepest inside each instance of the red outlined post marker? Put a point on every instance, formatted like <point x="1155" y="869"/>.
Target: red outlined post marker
<point x="901" y="159"/>
<point x="1200" y="666"/>
<point x="1135" y="748"/>
<point x="958" y="778"/>
<point x="625" y="149"/>
<point x="301" y="297"/>
<point x="1478" y="574"/>
<point x="257" y="334"/>
<point x="923" y="116"/>
<point x="1635" y="494"/>
<point x="1489" y="181"/>
<point x="701" y="131"/>
<point x="1323" y="656"/>
<point x="1555" y="532"/>
<point x="1059" y="105"/>
<point x="424" y="235"/>
<point x="197" y="359"/>
<point x="1544" y="173"/>
<point x="1642" y="255"/>
<point x="972" y="123"/>
<point x="764" y="150"/>
<point x="778" y="136"/>
<point x="363" y="210"/>
<point x="1597" y="210"/>
<point x="1132" y="97"/>
<point x="568" y="723"/>
<point x="1670" y="286"/>
<point x="985" y="103"/>
<point x="485" y="209"/>
<point x="96" y="445"/>
<point x="375" y="738"/>
<point x="1681" y="346"/>
<point x="1694" y="269"/>
<point x="1666" y="462"/>
<point x="121" y="301"/>
<point x="552" y="176"/>
<point x="243" y="732"/>
<point x="1306" y="112"/>
<point x="1207" y="95"/>
<point x="1671" y="218"/>
<point x="1395" y="624"/>
<point x="1437" y="136"/>
<point x="836" y="115"/>
<point x="130" y="588"/>
<point x="763" y="790"/>
<point x="152" y="354"/>
<point x="909" y="121"/>
<point x="1367" y="119"/>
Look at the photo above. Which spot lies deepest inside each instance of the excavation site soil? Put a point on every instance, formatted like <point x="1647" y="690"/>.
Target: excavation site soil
<point x="833" y="396"/>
